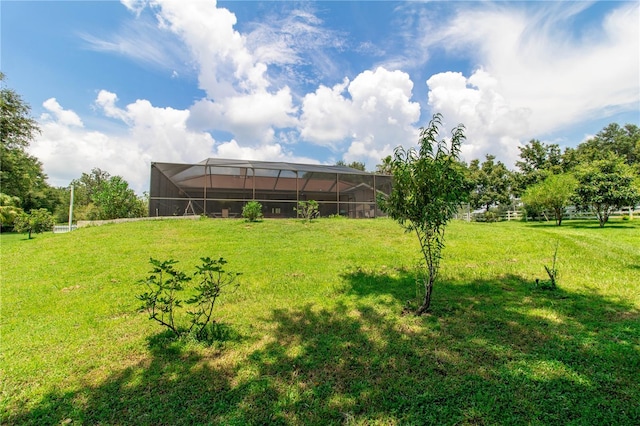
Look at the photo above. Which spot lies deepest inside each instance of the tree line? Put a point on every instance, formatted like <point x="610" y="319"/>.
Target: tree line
<point x="601" y="174"/>
<point x="27" y="202"/>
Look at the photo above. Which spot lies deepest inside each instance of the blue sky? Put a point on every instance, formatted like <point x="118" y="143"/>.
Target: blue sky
<point x="119" y="84"/>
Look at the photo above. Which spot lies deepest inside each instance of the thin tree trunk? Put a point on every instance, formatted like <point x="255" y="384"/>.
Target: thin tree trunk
<point x="558" y="217"/>
<point x="426" y="302"/>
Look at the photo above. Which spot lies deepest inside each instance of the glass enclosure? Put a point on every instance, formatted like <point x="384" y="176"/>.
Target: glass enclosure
<point x="220" y="188"/>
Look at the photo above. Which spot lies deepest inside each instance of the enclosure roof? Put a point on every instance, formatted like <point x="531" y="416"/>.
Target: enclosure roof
<point x="270" y="165"/>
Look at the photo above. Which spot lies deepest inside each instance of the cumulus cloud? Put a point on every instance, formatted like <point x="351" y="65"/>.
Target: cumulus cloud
<point x="251" y="117"/>
<point x="272" y="152"/>
<point x="492" y="124"/>
<point x="153" y="134"/>
<point x="371" y="114"/>
<point x="65" y="117"/>
<point x="226" y="66"/>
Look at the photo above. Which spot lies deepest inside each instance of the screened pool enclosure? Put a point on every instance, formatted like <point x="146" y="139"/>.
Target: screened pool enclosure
<point x="220" y="188"/>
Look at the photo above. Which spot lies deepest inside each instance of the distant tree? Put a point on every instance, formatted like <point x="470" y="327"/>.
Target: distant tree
<point x="354" y="165"/>
<point x="100" y="196"/>
<point x="9" y="210"/>
<point x="554" y="193"/>
<point x="537" y="160"/>
<point x="21" y="174"/>
<point x="385" y="166"/>
<point x="36" y="222"/>
<point x="114" y="199"/>
<point x="606" y="185"/>
<point x="85" y="188"/>
<point x="491" y="182"/>
<point x="429" y="187"/>
<point x="613" y="139"/>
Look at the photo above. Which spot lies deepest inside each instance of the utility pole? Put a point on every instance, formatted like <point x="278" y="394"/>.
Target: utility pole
<point x="71" y="209"/>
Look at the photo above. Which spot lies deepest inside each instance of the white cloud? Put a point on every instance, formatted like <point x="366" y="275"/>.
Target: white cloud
<point x="539" y="65"/>
<point x="251" y="118"/>
<point x="327" y="117"/>
<point x="65" y="117"/>
<point x="153" y="134"/>
<point x="272" y="152"/>
<point x="294" y="40"/>
<point x="145" y="42"/>
<point x="537" y="75"/>
<point x="227" y="67"/>
<point x="377" y="116"/>
<point x="492" y="124"/>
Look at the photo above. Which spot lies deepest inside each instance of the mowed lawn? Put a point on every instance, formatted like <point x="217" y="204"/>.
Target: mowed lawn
<point x="316" y="332"/>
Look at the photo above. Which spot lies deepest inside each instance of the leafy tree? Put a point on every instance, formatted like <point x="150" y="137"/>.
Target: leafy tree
<point x="385" y="166"/>
<point x="21" y="174"/>
<point x="114" y="199"/>
<point x="605" y="186"/>
<point x="613" y="139"/>
<point x="100" y="196"/>
<point x="17" y="129"/>
<point x="537" y="160"/>
<point x="354" y="165"/>
<point x="84" y="190"/>
<point x="88" y="185"/>
<point x="9" y="210"/>
<point x="307" y="210"/>
<point x="491" y="183"/>
<point x="37" y="221"/>
<point x="429" y="187"/>
<point x="554" y="193"/>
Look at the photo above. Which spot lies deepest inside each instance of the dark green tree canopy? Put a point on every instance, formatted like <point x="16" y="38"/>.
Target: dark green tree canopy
<point x="385" y="165"/>
<point x="606" y="185"/>
<point x="624" y="142"/>
<point x="537" y="161"/>
<point x="114" y="199"/>
<point x="17" y="128"/>
<point x="491" y="183"/>
<point x="21" y="174"/>
<point x="100" y="196"/>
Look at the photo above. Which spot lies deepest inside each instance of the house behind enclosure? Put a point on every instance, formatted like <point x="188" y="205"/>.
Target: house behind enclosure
<point x="220" y="188"/>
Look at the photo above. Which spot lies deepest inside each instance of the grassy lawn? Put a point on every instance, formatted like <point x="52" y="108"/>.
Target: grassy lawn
<point x="316" y="334"/>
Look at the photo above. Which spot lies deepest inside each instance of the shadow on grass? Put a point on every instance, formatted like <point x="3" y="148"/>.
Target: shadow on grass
<point x="585" y="224"/>
<point x="491" y="352"/>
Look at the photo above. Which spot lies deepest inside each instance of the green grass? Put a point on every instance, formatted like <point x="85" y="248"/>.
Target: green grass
<point x="316" y="334"/>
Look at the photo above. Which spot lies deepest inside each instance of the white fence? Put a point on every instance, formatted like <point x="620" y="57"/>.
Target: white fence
<point x="61" y="229"/>
<point x="569" y="213"/>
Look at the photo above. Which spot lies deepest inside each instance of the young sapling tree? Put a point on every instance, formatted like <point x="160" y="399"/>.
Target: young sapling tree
<point x="212" y="280"/>
<point x="307" y="210"/>
<point x="429" y="186"/>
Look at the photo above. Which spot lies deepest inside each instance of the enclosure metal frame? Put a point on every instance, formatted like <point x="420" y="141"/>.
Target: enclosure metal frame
<point x="220" y="187"/>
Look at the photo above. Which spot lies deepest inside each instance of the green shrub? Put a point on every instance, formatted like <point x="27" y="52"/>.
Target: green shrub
<point x="625" y="217"/>
<point x="252" y="211"/>
<point x="164" y="285"/>
<point x="307" y="210"/>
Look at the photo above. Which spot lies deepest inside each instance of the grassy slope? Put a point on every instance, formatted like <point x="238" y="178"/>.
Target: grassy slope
<point x="316" y="333"/>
